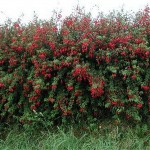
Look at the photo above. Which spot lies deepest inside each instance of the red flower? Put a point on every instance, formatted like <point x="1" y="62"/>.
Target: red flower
<point x="2" y="62"/>
<point x="54" y="86"/>
<point x="128" y="116"/>
<point x="107" y="59"/>
<point x="13" y="40"/>
<point x="33" y="107"/>
<point x="96" y="92"/>
<point x="26" y="88"/>
<point x="37" y="91"/>
<point x="19" y="48"/>
<point x="84" y="46"/>
<point x="139" y="105"/>
<point x="69" y="88"/>
<point x="65" y="32"/>
<point x="123" y="53"/>
<point x="52" y="45"/>
<point x="16" y="25"/>
<point x="145" y="87"/>
<point x="138" y="41"/>
<point x="11" y="90"/>
<point x="112" y="45"/>
<point x="42" y="55"/>
<point x="114" y="75"/>
<point x="36" y="37"/>
<point x="147" y="53"/>
<point x="1" y="85"/>
<point x="23" y="39"/>
<point x="114" y="103"/>
<point x="51" y="100"/>
<point x="121" y="104"/>
<point x="133" y="77"/>
<point x="130" y="96"/>
<point x="37" y="104"/>
<point x="48" y="75"/>
<point x="77" y="93"/>
<point x="82" y="109"/>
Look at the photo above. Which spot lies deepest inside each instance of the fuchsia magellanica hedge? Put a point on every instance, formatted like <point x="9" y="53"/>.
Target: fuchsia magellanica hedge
<point x="84" y="69"/>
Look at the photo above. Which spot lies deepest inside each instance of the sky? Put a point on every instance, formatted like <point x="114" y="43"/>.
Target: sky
<point x="43" y="8"/>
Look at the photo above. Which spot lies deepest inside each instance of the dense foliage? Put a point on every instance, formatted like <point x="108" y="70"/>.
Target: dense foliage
<point x="85" y="69"/>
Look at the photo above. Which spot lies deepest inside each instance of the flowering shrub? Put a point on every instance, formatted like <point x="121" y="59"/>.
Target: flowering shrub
<point x="85" y="69"/>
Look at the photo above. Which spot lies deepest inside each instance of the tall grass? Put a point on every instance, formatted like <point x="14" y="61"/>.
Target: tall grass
<point x="108" y="137"/>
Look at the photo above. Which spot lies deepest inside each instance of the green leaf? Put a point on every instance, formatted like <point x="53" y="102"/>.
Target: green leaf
<point x="107" y="105"/>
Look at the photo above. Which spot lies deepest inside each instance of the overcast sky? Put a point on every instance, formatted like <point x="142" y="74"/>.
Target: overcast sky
<point x="14" y="8"/>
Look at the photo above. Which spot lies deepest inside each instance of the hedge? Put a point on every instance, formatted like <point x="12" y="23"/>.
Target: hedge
<point x="83" y="70"/>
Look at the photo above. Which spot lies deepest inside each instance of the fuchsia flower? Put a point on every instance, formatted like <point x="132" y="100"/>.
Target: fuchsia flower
<point x="69" y="88"/>
<point x="114" y="103"/>
<point x="54" y="86"/>
<point x="145" y="87"/>
<point x="37" y="91"/>
<point x="123" y="53"/>
<point x="36" y="38"/>
<point x="33" y="107"/>
<point x="96" y="92"/>
<point x="133" y="77"/>
<point x="42" y="55"/>
<point x="114" y="75"/>
<point x="1" y="85"/>
<point x="19" y="48"/>
<point x="139" y="105"/>
<point x="16" y="25"/>
<point x="51" y="100"/>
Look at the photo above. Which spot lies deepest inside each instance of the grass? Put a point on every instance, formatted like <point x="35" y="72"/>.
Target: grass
<point x="107" y="137"/>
